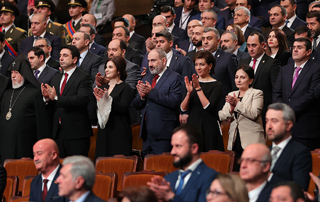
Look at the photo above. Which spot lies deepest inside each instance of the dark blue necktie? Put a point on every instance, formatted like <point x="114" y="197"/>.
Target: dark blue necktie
<point x="182" y="176"/>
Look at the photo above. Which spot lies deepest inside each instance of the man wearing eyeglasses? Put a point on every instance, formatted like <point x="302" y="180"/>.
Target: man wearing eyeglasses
<point x="45" y="45"/>
<point x="291" y="161"/>
<point x="209" y="18"/>
<point x="255" y="165"/>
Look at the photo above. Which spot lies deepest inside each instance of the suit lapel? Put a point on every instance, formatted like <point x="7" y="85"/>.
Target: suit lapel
<point x="162" y="79"/>
<point x="85" y="60"/>
<point x="73" y="77"/>
<point x="44" y="73"/>
<point x="286" y="152"/>
<point x="260" y="66"/>
<point x="193" y="179"/>
<point x="303" y="72"/>
<point x="173" y="61"/>
<point x="217" y="55"/>
<point x="53" y="187"/>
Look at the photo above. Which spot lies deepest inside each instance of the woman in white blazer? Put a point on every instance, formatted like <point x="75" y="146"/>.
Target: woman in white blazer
<point x="243" y="110"/>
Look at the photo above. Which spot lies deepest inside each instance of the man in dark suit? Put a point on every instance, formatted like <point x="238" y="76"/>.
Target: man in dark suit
<point x="158" y="93"/>
<point x="242" y="18"/>
<point x="295" y="86"/>
<point x="41" y="71"/>
<point x="133" y="55"/>
<point x="229" y="42"/>
<point x="255" y="165"/>
<point x="193" y="173"/>
<point x="313" y="23"/>
<point x="188" y="10"/>
<point x="68" y="95"/>
<point x="196" y="41"/>
<point x="94" y="47"/>
<point x="254" y="21"/>
<point x="266" y="69"/>
<point x="38" y="27"/>
<point x="228" y="13"/>
<point x="169" y="13"/>
<point x="88" y="62"/>
<point x="175" y="62"/>
<point x="90" y="19"/>
<point x="291" y="161"/>
<point x="136" y="41"/>
<point x="5" y="58"/>
<point x="187" y="45"/>
<point x="45" y="45"/>
<point x="47" y="162"/>
<point x="277" y="18"/>
<point x="77" y="178"/>
<point x="226" y="63"/>
<point x="292" y="21"/>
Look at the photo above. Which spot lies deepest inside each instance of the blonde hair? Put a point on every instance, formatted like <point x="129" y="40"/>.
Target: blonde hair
<point x="234" y="186"/>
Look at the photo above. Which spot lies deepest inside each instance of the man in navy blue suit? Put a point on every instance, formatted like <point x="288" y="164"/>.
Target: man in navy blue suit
<point x="76" y="179"/>
<point x="94" y="47"/>
<point x="293" y="21"/>
<point x="255" y="165"/>
<point x="169" y="13"/>
<point x="46" y="159"/>
<point x="189" y="184"/>
<point x="291" y="160"/>
<point x="41" y="71"/>
<point x="158" y="98"/>
<point x="226" y="63"/>
<point x="38" y="27"/>
<point x="295" y="86"/>
<point x="184" y="13"/>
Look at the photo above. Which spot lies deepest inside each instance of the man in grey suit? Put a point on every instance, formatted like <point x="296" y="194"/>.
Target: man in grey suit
<point x="77" y="178"/>
<point x="88" y="62"/>
<point x="41" y="71"/>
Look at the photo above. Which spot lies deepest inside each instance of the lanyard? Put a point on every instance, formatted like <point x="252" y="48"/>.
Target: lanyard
<point x="182" y="23"/>
<point x="99" y="4"/>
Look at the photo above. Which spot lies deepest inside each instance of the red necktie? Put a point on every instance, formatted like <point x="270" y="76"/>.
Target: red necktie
<point x="64" y="83"/>
<point x="45" y="189"/>
<point x="154" y="80"/>
<point x="254" y="63"/>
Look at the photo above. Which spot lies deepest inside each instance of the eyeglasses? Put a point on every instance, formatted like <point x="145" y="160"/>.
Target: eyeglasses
<point x="206" y="18"/>
<point x="41" y="46"/>
<point x="215" y="193"/>
<point x="250" y="160"/>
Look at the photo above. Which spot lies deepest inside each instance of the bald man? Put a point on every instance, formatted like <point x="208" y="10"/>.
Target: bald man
<point x="90" y="19"/>
<point x="136" y="40"/>
<point x="255" y="165"/>
<point x="47" y="162"/>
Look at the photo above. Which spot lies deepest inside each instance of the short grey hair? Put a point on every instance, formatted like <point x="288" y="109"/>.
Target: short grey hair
<point x="47" y="41"/>
<point x="215" y="16"/>
<point x="212" y="29"/>
<point x="82" y="166"/>
<point x="161" y="53"/>
<point x="247" y="11"/>
<point x="287" y="111"/>
<point x="233" y="35"/>
<point x="86" y="36"/>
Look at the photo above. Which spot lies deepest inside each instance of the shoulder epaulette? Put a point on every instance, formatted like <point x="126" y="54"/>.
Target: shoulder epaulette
<point x="19" y="29"/>
<point x="56" y="23"/>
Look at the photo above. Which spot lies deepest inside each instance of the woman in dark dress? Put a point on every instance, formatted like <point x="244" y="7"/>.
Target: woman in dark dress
<point x="201" y="101"/>
<point x="114" y="134"/>
<point x="277" y="47"/>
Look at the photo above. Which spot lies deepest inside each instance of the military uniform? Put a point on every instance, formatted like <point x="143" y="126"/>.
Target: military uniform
<point x="14" y="36"/>
<point x="55" y="28"/>
<point x="71" y="30"/>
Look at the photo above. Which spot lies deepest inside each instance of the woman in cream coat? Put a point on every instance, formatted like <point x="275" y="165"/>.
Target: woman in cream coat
<point x="243" y="109"/>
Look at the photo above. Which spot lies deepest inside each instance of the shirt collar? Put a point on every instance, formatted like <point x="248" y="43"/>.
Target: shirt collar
<point x="243" y="29"/>
<point x="193" y="166"/>
<point x="259" y="58"/>
<point x="76" y="21"/>
<point x="186" y="13"/>
<point x="282" y="26"/>
<point x="52" y="174"/>
<point x="83" y="197"/>
<point x="254" y="194"/>
<point x="47" y="59"/>
<point x="282" y="144"/>
<point x="171" y="28"/>
<point x="7" y="28"/>
<point x="302" y="65"/>
<point x="131" y="33"/>
<point x="83" y="55"/>
<point x="41" y="68"/>
<point x="1" y="54"/>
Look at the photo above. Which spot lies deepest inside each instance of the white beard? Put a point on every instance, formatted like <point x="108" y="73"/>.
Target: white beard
<point x="18" y="85"/>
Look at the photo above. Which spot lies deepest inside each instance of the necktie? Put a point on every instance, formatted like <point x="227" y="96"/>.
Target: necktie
<point x="296" y="75"/>
<point x="315" y="42"/>
<point x="275" y="151"/>
<point x="3" y="31"/>
<point x="73" y="23"/>
<point x="36" y="73"/>
<point x="191" y="47"/>
<point x="79" y="63"/>
<point x="45" y="190"/>
<point x="286" y="23"/>
<point x="254" y="63"/>
<point x="64" y="83"/>
<point x="154" y="80"/>
<point x="182" y="176"/>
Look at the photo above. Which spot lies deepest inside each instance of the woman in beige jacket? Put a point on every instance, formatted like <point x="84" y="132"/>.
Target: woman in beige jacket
<point x="243" y="110"/>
